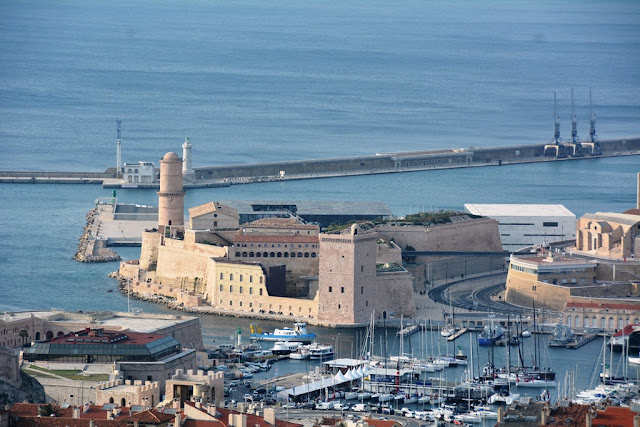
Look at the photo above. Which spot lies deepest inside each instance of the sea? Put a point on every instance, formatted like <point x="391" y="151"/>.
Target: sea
<point x="251" y="81"/>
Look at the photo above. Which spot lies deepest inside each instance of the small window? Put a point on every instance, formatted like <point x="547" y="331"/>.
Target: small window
<point x="240" y="289"/>
<point x="549" y="224"/>
<point x="330" y="288"/>
<point x="221" y="288"/>
<point x="260" y="281"/>
<point x="250" y="279"/>
<point x="231" y="276"/>
<point x="260" y="291"/>
<point x="221" y="276"/>
<point x="231" y="288"/>
<point x="361" y="290"/>
<point x="241" y="277"/>
<point x="342" y="289"/>
<point x="362" y="269"/>
<point x="250" y="291"/>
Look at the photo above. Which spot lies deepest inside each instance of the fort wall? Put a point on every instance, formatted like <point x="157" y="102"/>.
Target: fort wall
<point x="523" y="290"/>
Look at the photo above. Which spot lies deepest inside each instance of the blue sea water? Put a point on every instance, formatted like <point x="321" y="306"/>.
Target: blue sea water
<point x="267" y="81"/>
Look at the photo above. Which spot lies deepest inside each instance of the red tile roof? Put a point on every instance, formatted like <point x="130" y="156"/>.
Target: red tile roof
<point x="280" y="223"/>
<point x="253" y="420"/>
<point x="150" y="416"/>
<point x="615" y="416"/>
<point x="612" y="306"/>
<point x="261" y="238"/>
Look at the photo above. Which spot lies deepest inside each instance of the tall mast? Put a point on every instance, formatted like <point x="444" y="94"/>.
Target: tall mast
<point x="592" y="121"/>
<point x="556" y="133"/>
<point x="574" y="122"/>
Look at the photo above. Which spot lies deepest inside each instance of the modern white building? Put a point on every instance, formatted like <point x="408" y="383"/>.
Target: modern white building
<point x="141" y="172"/>
<point x="527" y="225"/>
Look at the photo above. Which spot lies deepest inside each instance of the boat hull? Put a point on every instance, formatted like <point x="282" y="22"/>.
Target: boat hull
<point x="306" y="338"/>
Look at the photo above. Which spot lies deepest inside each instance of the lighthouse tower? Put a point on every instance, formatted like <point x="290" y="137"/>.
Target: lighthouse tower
<point x="187" y="172"/>
<point x="171" y="194"/>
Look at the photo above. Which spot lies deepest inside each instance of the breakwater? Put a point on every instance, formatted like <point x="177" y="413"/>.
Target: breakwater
<point x="90" y="247"/>
<point x="216" y="176"/>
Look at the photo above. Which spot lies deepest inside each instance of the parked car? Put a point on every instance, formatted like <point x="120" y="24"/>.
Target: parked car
<point x="290" y="405"/>
<point x="323" y="406"/>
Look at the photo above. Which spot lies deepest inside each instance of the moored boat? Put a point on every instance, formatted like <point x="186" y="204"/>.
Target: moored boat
<point x="286" y="347"/>
<point x="490" y="334"/>
<point x="297" y="333"/>
<point x="561" y="336"/>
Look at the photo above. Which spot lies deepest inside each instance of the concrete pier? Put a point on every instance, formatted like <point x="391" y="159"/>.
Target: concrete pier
<point x="218" y="176"/>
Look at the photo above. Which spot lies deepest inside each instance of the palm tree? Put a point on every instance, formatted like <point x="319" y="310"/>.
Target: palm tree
<point x="47" y="410"/>
<point x="23" y="334"/>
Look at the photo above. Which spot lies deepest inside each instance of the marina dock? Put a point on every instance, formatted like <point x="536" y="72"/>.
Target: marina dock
<point x="582" y="340"/>
<point x="458" y="334"/>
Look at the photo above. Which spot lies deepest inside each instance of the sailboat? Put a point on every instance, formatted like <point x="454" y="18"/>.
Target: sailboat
<point x="450" y="328"/>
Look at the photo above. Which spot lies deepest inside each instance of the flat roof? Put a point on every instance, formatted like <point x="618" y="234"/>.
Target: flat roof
<point x="314" y="207"/>
<point x="528" y="210"/>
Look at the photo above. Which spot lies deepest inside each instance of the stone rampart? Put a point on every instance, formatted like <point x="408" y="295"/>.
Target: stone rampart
<point x="522" y="289"/>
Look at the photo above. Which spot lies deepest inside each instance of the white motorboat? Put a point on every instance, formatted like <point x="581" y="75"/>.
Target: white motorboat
<point x="319" y="351"/>
<point x="365" y="396"/>
<point x="285" y="347"/>
<point x="535" y="383"/>
<point x="351" y="395"/>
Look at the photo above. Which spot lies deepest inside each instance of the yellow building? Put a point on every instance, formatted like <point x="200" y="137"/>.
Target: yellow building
<point x="609" y="235"/>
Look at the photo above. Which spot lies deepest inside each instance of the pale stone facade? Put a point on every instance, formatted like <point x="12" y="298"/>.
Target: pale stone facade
<point x="609" y="235"/>
<point x="128" y="393"/>
<point x="183" y="385"/>
<point x="212" y="216"/>
<point x="350" y="286"/>
<point x="601" y="314"/>
<point x="141" y="172"/>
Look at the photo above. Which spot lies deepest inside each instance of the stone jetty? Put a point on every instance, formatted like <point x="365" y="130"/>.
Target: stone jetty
<point x="91" y="248"/>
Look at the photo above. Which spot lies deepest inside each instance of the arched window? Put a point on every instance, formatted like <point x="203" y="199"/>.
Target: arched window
<point x="577" y="322"/>
<point x="586" y="322"/>
<point x="231" y="288"/>
<point x="272" y="254"/>
<point x="241" y="277"/>
<point x="49" y="335"/>
<point x="313" y="254"/>
<point x="238" y="254"/>
<point x="299" y="254"/>
<point x="250" y="291"/>
<point x="261" y="292"/>
<point x="266" y="254"/>
<point x="221" y="288"/>
<point x="286" y="254"/>
<point x="123" y="402"/>
<point x="135" y="170"/>
<point x="60" y="333"/>
<point x="231" y="276"/>
<point x="293" y="254"/>
<point x="111" y="399"/>
<point x="603" y="323"/>
<point x="611" y="325"/>
<point x="306" y="254"/>
<point x="250" y="279"/>
<point x="244" y="254"/>
<point x="569" y="321"/>
<point x="240" y="289"/>
<point x="279" y="254"/>
<point x="221" y="276"/>
<point x="37" y="336"/>
<point x="620" y="324"/>
<point x="260" y="281"/>
<point x="251" y="255"/>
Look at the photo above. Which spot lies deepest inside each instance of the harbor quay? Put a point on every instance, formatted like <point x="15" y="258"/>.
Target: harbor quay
<point x="398" y="162"/>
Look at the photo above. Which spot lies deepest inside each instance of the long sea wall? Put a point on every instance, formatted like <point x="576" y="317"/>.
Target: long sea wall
<point x="215" y="176"/>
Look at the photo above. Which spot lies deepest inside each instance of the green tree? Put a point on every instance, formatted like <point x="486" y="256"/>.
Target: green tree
<point x="47" y="410"/>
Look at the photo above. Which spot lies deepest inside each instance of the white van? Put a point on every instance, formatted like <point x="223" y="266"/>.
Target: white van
<point x="323" y="406"/>
<point x="360" y="407"/>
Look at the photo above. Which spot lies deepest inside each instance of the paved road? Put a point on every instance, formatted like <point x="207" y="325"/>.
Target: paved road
<point x="283" y="414"/>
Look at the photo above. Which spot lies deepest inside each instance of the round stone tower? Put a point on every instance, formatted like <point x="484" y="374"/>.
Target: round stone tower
<point x="171" y="194"/>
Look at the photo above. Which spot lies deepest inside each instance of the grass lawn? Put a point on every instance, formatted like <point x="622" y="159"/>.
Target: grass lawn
<point x="71" y="374"/>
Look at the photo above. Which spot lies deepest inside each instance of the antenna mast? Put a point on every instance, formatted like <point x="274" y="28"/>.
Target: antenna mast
<point x="574" y="122"/>
<point x="118" y="149"/>
<point x="556" y="133"/>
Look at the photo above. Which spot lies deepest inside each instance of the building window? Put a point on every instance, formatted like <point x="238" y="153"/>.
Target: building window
<point x="260" y="281"/>
<point x="260" y="291"/>
<point x="550" y="224"/>
<point x="230" y="302"/>
<point x="330" y="288"/>
<point x="241" y="277"/>
<point x="342" y="289"/>
<point x="240" y="289"/>
<point x="221" y="276"/>
<point x="238" y="254"/>
<point x="231" y="276"/>
<point x="221" y="288"/>
<point x="231" y="288"/>
<point x="250" y="291"/>
<point x="339" y="306"/>
<point x="361" y="268"/>
<point x="250" y="279"/>
<point x="361" y="290"/>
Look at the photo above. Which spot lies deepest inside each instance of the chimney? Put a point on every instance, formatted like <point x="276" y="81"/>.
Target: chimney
<point x="136" y="423"/>
<point x="176" y="404"/>
<point x="76" y="412"/>
<point x="178" y="419"/>
<point x="270" y="416"/>
<point x="92" y="423"/>
<point x="109" y="414"/>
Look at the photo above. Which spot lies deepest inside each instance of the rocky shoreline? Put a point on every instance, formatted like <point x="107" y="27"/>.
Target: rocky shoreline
<point x="86" y="247"/>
